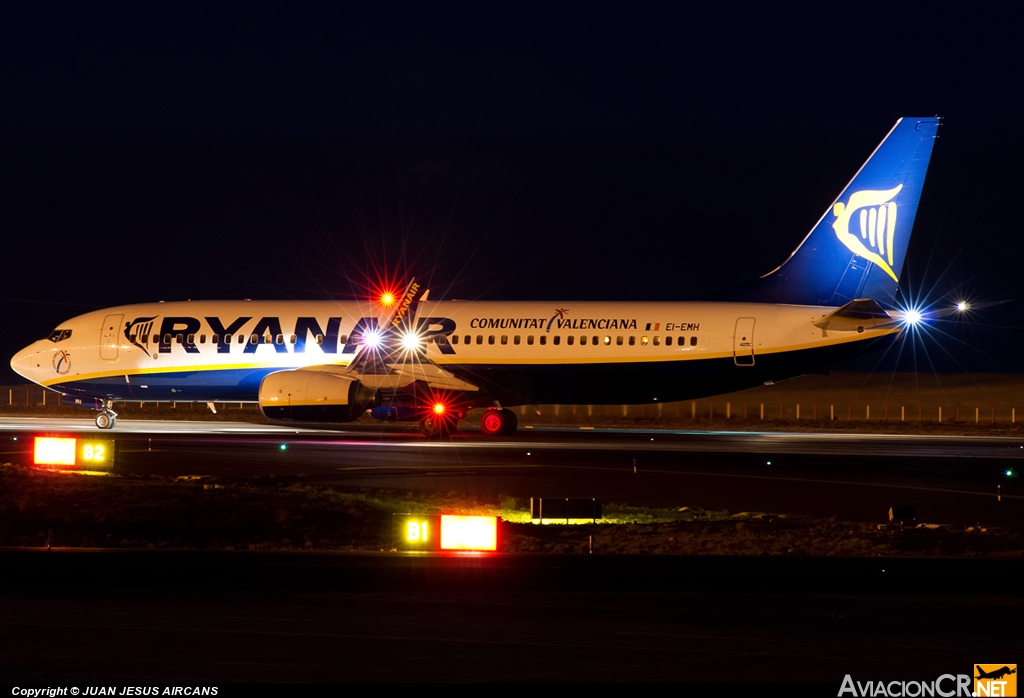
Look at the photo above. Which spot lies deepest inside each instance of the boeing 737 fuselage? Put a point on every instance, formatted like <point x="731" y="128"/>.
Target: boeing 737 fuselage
<point x="331" y="361"/>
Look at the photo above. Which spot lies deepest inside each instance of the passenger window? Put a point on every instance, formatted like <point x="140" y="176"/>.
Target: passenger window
<point x="504" y="339"/>
<point x="569" y="340"/>
<point x="557" y="340"/>
<point x="682" y="341"/>
<point x="241" y="339"/>
<point x="618" y="340"/>
<point x="515" y="340"/>
<point x="479" y="339"/>
<point x="191" y="339"/>
<point x="441" y="339"/>
<point x="343" y="339"/>
<point x="657" y="341"/>
<point x="693" y="341"/>
<point x="291" y="340"/>
<point x="467" y="339"/>
<point x="490" y="339"/>
<point x="215" y="339"/>
<point x="202" y="339"/>
<point x="167" y="339"/>
<point x="595" y="340"/>
<point x="632" y="341"/>
<point x="319" y="339"/>
<point x="643" y="341"/>
<point x="607" y="340"/>
<point x="529" y="339"/>
<point x="179" y="338"/>
<point x="279" y="339"/>
<point x="668" y="341"/>
<point x="543" y="339"/>
<point x="583" y="340"/>
<point x="254" y="339"/>
<point x="455" y="339"/>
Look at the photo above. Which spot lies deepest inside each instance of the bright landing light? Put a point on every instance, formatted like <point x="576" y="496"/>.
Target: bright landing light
<point x="410" y="341"/>
<point x="912" y="317"/>
<point x="372" y="339"/>
<point x="962" y="306"/>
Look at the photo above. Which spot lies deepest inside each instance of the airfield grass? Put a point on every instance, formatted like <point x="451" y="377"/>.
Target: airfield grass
<point x="82" y="511"/>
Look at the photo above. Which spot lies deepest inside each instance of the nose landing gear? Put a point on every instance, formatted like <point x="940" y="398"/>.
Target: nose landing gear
<point x="107" y="418"/>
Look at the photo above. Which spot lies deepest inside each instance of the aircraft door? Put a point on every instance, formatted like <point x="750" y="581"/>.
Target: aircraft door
<point x="109" y="337"/>
<point x="743" y="342"/>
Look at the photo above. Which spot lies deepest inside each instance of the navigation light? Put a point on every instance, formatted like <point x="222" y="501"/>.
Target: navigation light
<point x="912" y="316"/>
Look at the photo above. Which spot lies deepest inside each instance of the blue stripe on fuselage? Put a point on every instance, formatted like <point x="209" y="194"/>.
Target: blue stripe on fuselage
<point x="227" y="385"/>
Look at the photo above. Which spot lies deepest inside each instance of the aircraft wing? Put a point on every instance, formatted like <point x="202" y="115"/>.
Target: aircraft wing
<point x="385" y="364"/>
<point x="396" y="370"/>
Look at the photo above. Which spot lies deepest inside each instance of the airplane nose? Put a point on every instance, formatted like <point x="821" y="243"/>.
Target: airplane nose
<point x="25" y="363"/>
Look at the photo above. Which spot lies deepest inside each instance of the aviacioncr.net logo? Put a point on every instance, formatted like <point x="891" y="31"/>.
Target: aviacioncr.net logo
<point x="995" y="680"/>
<point x="876" y="218"/>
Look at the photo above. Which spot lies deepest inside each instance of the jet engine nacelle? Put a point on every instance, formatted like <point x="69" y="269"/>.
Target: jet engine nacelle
<point x="314" y="396"/>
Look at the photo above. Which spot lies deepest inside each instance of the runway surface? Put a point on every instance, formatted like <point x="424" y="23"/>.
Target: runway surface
<point x="950" y="479"/>
<point x="208" y="616"/>
<point x="174" y="617"/>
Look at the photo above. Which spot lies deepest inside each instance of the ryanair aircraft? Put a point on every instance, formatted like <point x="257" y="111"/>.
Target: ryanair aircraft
<point x="410" y="358"/>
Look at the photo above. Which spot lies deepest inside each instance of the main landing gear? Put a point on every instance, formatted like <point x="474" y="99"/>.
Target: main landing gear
<point x="498" y="422"/>
<point x="435" y="425"/>
<point x="107" y="418"/>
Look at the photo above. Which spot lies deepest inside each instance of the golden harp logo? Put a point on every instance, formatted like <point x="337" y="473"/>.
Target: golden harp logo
<point x="876" y="214"/>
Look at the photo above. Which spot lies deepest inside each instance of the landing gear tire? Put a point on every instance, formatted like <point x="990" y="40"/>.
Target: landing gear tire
<point x="435" y="426"/>
<point x="106" y="420"/>
<point x="497" y="422"/>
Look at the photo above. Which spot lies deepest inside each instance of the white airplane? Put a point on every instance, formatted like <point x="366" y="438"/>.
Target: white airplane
<point x="406" y="357"/>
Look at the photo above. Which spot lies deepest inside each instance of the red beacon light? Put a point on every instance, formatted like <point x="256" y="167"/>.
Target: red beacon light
<point x="439" y="408"/>
<point x="387" y="299"/>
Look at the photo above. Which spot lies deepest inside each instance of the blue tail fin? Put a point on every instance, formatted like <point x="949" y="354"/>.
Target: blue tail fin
<point x="857" y="248"/>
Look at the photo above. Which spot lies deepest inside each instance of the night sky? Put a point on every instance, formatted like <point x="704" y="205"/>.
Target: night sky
<point x="549" y="151"/>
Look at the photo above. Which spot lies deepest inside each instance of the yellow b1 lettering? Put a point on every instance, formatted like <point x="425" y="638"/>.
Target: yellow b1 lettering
<point x="416" y="531"/>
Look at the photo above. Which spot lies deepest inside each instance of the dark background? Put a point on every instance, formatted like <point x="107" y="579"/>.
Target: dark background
<point x="581" y="151"/>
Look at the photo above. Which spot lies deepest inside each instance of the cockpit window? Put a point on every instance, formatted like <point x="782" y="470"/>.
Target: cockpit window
<point x="59" y="335"/>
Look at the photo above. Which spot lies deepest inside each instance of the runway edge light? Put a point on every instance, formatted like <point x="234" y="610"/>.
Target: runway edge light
<point x="447" y="532"/>
<point x="469" y="532"/>
<point x="54" y="450"/>
<point x="88" y="454"/>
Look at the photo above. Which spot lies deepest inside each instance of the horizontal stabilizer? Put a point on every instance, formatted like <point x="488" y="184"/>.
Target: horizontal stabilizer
<point x="857" y="315"/>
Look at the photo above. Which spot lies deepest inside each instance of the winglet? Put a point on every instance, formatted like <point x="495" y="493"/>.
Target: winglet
<point x="405" y="307"/>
